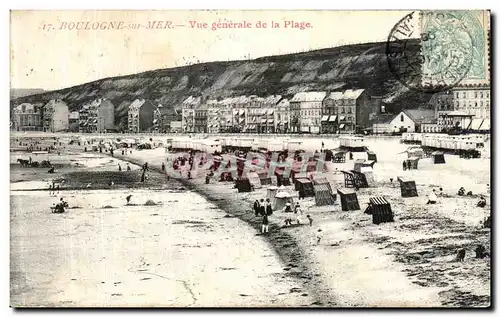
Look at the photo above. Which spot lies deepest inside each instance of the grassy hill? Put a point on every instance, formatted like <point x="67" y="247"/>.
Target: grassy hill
<point x="338" y="68"/>
<point x="23" y="92"/>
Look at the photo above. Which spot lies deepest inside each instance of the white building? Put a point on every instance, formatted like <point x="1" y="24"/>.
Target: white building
<point x="405" y="121"/>
<point x="188" y="106"/>
<point x="473" y="101"/>
<point x="308" y="106"/>
<point x="55" y="116"/>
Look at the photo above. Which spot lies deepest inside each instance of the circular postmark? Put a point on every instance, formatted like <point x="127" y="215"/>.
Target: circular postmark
<point x="430" y="51"/>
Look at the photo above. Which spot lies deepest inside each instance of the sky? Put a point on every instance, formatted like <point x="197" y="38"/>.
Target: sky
<point x="46" y="54"/>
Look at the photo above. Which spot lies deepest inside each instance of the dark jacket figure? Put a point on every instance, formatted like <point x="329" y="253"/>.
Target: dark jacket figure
<point x="256" y="207"/>
<point x="128" y="168"/>
<point x="288" y="208"/>
<point x="265" y="220"/>
<point x="461" y="255"/>
<point x="351" y="156"/>
<point x="269" y="209"/>
<point x="482" y="202"/>
<point x="119" y="168"/>
<point x="461" y="191"/>
<point x="163" y="166"/>
<point x="481" y="252"/>
<point x="404" y="166"/>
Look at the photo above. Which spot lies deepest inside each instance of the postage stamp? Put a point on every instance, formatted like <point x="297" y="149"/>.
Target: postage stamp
<point x="453" y="49"/>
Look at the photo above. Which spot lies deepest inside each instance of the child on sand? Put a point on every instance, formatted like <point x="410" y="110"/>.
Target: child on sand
<point x="265" y="224"/>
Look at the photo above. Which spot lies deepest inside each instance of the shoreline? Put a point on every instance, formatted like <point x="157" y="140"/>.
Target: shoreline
<point x="282" y="240"/>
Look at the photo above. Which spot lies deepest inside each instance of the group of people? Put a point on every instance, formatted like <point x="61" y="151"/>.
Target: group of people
<point x="120" y="167"/>
<point x="263" y="209"/>
<point x="60" y="207"/>
<point x="432" y="198"/>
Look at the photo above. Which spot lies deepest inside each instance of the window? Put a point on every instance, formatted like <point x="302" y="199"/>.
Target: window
<point x="481" y="94"/>
<point x="481" y="103"/>
<point x="458" y="95"/>
<point x="475" y="95"/>
<point x="402" y="118"/>
<point x="463" y="95"/>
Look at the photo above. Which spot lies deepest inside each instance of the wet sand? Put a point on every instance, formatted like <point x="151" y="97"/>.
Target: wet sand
<point x="184" y="252"/>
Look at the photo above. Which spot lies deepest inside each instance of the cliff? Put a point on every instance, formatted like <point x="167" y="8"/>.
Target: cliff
<point x="351" y="66"/>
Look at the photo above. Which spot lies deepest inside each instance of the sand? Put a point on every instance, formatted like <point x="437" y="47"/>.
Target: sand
<point x="182" y="252"/>
<point x="408" y="263"/>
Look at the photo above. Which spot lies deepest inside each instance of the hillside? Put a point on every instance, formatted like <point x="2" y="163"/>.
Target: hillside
<point x="23" y="92"/>
<point x="350" y="66"/>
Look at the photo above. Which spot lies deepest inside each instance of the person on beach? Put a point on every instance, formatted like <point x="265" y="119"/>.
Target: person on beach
<point x="404" y="166"/>
<point x="269" y="208"/>
<point x="265" y="224"/>
<point x="296" y="208"/>
<point x="262" y="207"/>
<point x="128" y="198"/>
<point x="482" y="202"/>
<point x="310" y="220"/>
<point x="461" y="191"/>
<point x="432" y="199"/>
<point x="288" y="208"/>
<point x="256" y="207"/>
<point x="119" y="168"/>
<point x="163" y="166"/>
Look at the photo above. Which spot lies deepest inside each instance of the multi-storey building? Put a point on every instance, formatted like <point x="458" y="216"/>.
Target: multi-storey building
<point x="282" y="116"/>
<point x="55" y="116"/>
<point x="240" y="112"/>
<point x="27" y="117"/>
<point x="169" y="116"/>
<point x="473" y="101"/>
<point x="140" y="115"/>
<point x="200" y="118"/>
<point x="97" y="116"/>
<point x="329" y="115"/>
<point x="226" y="114"/>
<point x="308" y="107"/>
<point x="355" y="111"/>
<point x="267" y="119"/>
<point x="188" y="106"/>
<point x="213" y="116"/>
<point x="254" y="114"/>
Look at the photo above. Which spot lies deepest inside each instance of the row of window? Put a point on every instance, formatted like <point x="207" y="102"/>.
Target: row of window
<point x="477" y="94"/>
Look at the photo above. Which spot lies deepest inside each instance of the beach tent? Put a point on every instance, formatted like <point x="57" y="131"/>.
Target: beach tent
<point x="381" y="210"/>
<point x="372" y="156"/>
<point x="322" y="181"/>
<point x="296" y="175"/>
<point x="416" y="152"/>
<point x="323" y="195"/>
<point x="281" y="178"/>
<point x="254" y="179"/>
<point x="368" y="172"/>
<point x="271" y="192"/>
<point x="438" y="157"/>
<point x="339" y="157"/>
<point x="243" y="185"/>
<point x="281" y="199"/>
<point x="302" y="176"/>
<point x="408" y="187"/>
<point x="360" y="179"/>
<point x="264" y="177"/>
<point x="304" y="187"/>
<point x="348" y="179"/>
<point x="348" y="199"/>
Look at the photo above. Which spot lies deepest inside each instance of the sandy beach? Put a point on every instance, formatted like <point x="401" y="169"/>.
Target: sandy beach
<point x="408" y="263"/>
<point x="104" y="253"/>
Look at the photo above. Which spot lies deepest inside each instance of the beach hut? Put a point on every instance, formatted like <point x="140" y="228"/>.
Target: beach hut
<point x="348" y="199"/>
<point x="339" y="157"/>
<point x="381" y="210"/>
<point x="415" y="152"/>
<point x="281" y="178"/>
<point x="271" y="192"/>
<point x="323" y="195"/>
<point x="358" y="164"/>
<point x="243" y="185"/>
<point x="322" y="181"/>
<point x="299" y="176"/>
<point x="368" y="172"/>
<point x="264" y="177"/>
<point x="412" y="163"/>
<point x="304" y="187"/>
<point x="408" y="187"/>
<point x="438" y="157"/>
<point x="281" y="199"/>
<point x="348" y="179"/>
<point x="254" y="180"/>
<point x="372" y="156"/>
<point x="360" y="180"/>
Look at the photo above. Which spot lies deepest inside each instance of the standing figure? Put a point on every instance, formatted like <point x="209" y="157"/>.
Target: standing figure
<point x="119" y="168"/>
<point x="404" y="165"/>
<point x="256" y="206"/>
<point x="265" y="224"/>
